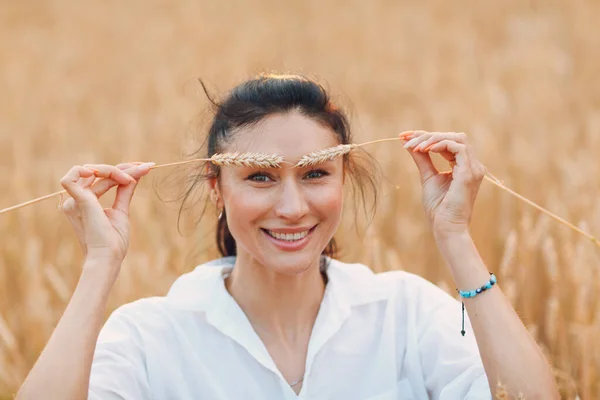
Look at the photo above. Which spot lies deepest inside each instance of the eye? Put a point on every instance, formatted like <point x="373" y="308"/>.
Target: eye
<point x="316" y="173"/>
<point x="259" y="177"/>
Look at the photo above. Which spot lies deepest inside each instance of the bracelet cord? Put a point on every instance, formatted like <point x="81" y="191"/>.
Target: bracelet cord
<point x="472" y="293"/>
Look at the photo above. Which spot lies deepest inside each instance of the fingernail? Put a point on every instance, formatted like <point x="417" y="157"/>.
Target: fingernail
<point x="148" y="165"/>
<point x="410" y="143"/>
<point x="95" y="171"/>
<point x="422" y="146"/>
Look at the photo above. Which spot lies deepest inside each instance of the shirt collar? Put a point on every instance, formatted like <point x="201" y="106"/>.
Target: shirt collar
<point x="350" y="284"/>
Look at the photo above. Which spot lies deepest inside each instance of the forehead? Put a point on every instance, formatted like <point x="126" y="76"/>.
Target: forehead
<point x="291" y="135"/>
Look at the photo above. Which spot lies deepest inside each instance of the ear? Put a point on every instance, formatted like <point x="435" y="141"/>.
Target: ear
<point x="212" y="187"/>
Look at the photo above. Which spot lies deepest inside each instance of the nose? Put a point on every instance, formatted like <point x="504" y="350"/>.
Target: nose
<point x="292" y="204"/>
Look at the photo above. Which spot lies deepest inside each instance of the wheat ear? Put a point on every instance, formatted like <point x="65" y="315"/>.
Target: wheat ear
<point x="255" y="160"/>
<point x="320" y="156"/>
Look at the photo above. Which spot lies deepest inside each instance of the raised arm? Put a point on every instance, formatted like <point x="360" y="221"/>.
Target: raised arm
<point x="63" y="369"/>
<point x="510" y="355"/>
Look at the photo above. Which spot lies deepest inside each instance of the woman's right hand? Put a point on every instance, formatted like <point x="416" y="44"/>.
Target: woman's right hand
<point x="102" y="233"/>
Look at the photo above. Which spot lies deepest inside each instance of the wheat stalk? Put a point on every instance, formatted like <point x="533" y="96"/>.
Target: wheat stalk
<point x="490" y="178"/>
<point x="261" y="160"/>
<point x="255" y="160"/>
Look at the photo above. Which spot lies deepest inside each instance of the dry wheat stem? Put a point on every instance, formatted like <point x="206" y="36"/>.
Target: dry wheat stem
<point x="257" y="160"/>
<point x="5" y="210"/>
<point x="540" y="208"/>
<point x="261" y="160"/>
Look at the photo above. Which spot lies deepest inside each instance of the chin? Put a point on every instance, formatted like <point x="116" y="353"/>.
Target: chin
<point x="292" y="264"/>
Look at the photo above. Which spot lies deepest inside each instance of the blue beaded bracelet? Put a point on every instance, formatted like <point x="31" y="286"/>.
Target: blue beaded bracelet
<point x="472" y="293"/>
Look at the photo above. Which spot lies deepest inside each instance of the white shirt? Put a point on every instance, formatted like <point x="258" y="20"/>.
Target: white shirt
<point x="390" y="335"/>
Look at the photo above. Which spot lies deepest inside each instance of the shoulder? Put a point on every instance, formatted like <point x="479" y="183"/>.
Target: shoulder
<point x="362" y="284"/>
<point x="132" y="321"/>
<point x="413" y="285"/>
<point x="359" y="272"/>
<point x="192" y="291"/>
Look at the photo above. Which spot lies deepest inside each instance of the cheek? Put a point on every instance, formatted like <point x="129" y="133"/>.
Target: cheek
<point x="245" y="207"/>
<point x="329" y="200"/>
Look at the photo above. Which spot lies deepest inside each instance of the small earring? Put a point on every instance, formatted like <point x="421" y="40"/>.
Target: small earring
<point x="220" y="214"/>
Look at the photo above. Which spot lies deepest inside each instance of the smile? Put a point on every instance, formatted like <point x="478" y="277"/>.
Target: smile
<point x="288" y="237"/>
<point x="289" y="241"/>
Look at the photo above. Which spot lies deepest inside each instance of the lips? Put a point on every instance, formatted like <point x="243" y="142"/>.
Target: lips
<point x="289" y="239"/>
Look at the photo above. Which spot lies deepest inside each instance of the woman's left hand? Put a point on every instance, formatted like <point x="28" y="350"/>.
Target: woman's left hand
<point x="448" y="197"/>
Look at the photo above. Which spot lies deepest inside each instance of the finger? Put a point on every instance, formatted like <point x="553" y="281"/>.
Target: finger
<point x="406" y="135"/>
<point x="424" y="165"/>
<point x="85" y="199"/>
<point x="412" y="134"/>
<point x="128" y="165"/>
<point x="417" y="138"/>
<point x="69" y="207"/>
<point x="103" y="185"/>
<point x="125" y="193"/>
<point x="135" y="171"/>
<point x="89" y="182"/>
<point x="73" y="214"/>
<point x="452" y="151"/>
<point x="123" y="198"/>
<point x="70" y="182"/>
<point x="111" y="172"/>
<point x="479" y="170"/>
<point x="438" y="137"/>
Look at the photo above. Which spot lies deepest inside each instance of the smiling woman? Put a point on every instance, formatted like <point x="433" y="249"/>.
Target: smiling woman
<point x="281" y="201"/>
<point x="278" y="317"/>
<point x="290" y="116"/>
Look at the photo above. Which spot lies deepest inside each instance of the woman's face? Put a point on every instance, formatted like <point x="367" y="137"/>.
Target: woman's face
<point x="283" y="218"/>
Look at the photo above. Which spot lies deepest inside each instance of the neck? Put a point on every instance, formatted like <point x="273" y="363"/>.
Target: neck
<point x="280" y="307"/>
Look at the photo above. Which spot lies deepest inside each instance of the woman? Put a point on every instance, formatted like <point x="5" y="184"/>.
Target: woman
<point x="278" y="317"/>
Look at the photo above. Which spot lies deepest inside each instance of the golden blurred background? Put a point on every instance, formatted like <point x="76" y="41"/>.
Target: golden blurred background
<point x="113" y="81"/>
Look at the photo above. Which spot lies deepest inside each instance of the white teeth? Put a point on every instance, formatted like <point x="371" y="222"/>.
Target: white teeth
<point x="290" y="237"/>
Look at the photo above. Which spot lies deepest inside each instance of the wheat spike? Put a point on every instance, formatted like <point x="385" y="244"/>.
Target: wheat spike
<point x="257" y="160"/>
<point x="320" y="156"/>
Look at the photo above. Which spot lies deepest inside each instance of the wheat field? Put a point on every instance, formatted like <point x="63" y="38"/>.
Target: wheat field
<point x="112" y="81"/>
